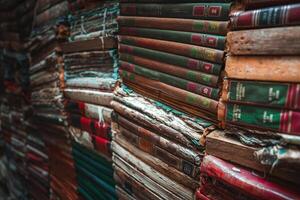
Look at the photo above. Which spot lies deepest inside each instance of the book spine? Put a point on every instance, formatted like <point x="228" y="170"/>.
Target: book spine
<point x="268" y="41"/>
<point x="171" y="80"/>
<point x="191" y="75"/>
<point x="102" y="145"/>
<point x="188" y="25"/>
<point x="197" y="52"/>
<point x="211" y="11"/>
<point x="206" y="40"/>
<point x="256" y="67"/>
<point x="283" y="95"/>
<point x="189" y="63"/>
<point x="268" y="17"/>
<point x="244" y="181"/>
<point x="176" y="93"/>
<point x="148" y="147"/>
<point x="92" y="126"/>
<point x="160" y="141"/>
<point x="139" y="118"/>
<point x="281" y="120"/>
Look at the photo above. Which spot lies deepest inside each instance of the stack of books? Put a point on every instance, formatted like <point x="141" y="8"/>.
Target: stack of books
<point x="37" y="163"/>
<point x="47" y="83"/>
<point x="174" y="52"/>
<point x="157" y="150"/>
<point x="91" y="67"/>
<point x="13" y="114"/>
<point x="15" y="23"/>
<point x="259" y="108"/>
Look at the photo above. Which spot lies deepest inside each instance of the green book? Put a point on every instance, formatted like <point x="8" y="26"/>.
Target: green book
<point x="173" y="59"/>
<point x="263" y="118"/>
<point x="282" y="95"/>
<point x="172" y="80"/>
<point x="211" y="11"/>
<point x="206" y="40"/>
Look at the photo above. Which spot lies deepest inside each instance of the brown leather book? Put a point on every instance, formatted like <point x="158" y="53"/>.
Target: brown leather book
<point x="268" y="41"/>
<point x="264" y="68"/>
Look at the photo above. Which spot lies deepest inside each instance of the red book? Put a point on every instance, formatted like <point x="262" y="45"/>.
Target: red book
<point x="244" y="181"/>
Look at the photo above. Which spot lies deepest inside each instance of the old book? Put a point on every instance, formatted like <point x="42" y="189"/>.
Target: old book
<point x="211" y="11"/>
<point x="245" y="157"/>
<point x="96" y="169"/>
<point x="261" y="118"/>
<point x="90" y="45"/>
<point x="157" y="163"/>
<point x="89" y="96"/>
<point x="122" y="195"/>
<point x="268" y="41"/>
<point x="206" y="40"/>
<point x="281" y="95"/>
<point x="244" y="181"/>
<point x="287" y="15"/>
<point x="103" y="84"/>
<point x="176" y="24"/>
<point x="89" y="110"/>
<point x="171" y="80"/>
<point x="266" y="68"/>
<point x="158" y="139"/>
<point x="163" y="185"/>
<point x="170" y="159"/>
<point x="158" y="88"/>
<point x="197" y="52"/>
<point x="131" y="187"/>
<point x="181" y="72"/>
<point x="92" y="126"/>
<point x="172" y="59"/>
<point x="172" y="100"/>
<point x="146" y="114"/>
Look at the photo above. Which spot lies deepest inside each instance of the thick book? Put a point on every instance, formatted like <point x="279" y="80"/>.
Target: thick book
<point x="175" y="24"/>
<point x="158" y="139"/>
<point x="89" y="96"/>
<point x="172" y="59"/>
<point x="264" y="68"/>
<point x="288" y="15"/>
<point x="157" y="163"/>
<point x="246" y="156"/>
<point x="243" y="181"/>
<point x="199" y="77"/>
<point x="281" y="95"/>
<point x="180" y="99"/>
<point x="89" y="110"/>
<point x="146" y="115"/>
<point x="171" y="80"/>
<point x="129" y="188"/>
<point x="267" y="41"/>
<point x="260" y="118"/>
<point x="193" y="51"/>
<point x="206" y="40"/>
<point x="211" y="11"/>
<point x="161" y="184"/>
<point x="146" y="146"/>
